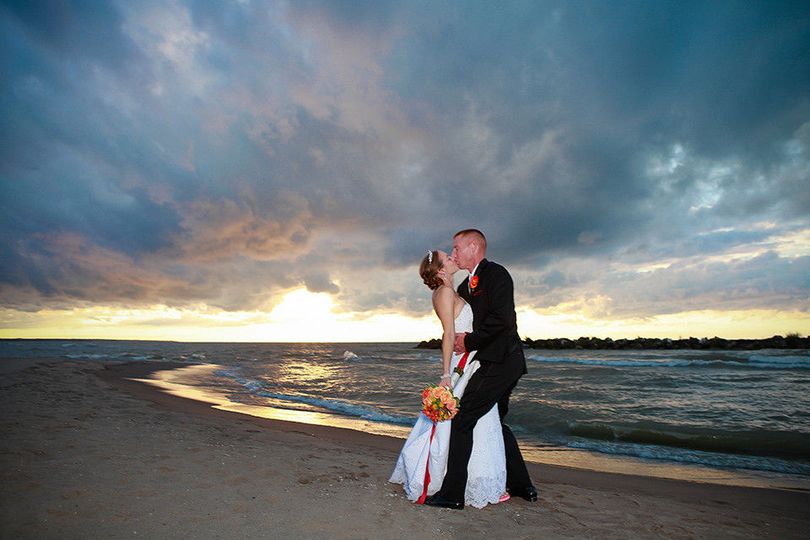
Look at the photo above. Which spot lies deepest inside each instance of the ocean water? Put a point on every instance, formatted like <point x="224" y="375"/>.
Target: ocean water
<point x="728" y="416"/>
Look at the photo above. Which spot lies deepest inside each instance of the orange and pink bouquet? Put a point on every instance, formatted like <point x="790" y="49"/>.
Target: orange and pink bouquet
<point x="439" y="403"/>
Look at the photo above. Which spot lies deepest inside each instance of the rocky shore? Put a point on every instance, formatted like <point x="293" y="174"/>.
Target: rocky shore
<point x="791" y="341"/>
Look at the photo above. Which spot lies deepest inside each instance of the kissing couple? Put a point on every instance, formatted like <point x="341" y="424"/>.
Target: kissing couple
<point x="474" y="458"/>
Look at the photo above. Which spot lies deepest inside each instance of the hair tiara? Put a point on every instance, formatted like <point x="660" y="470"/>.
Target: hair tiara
<point x="430" y="256"/>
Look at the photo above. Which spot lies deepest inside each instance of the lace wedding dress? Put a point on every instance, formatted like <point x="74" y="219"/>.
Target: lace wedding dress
<point x="486" y="480"/>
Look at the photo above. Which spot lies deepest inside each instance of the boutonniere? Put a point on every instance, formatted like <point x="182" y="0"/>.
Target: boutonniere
<point x="473" y="282"/>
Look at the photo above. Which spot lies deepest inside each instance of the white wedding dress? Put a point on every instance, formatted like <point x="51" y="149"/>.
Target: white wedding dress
<point x="486" y="471"/>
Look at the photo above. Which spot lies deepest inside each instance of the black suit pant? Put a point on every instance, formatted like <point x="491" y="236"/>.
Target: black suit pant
<point x="488" y="385"/>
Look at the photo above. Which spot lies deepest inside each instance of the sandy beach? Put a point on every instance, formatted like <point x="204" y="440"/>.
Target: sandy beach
<point x="89" y="453"/>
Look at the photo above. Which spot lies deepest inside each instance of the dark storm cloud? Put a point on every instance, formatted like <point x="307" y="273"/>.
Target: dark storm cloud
<point x="614" y="84"/>
<point x="76" y="31"/>
<point x="218" y="153"/>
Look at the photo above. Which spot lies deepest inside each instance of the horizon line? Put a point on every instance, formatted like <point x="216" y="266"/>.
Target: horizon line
<point x="523" y="339"/>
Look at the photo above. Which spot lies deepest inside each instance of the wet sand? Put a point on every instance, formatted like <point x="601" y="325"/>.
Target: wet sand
<point x="87" y="452"/>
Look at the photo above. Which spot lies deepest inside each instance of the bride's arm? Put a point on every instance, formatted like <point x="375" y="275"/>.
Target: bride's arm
<point x="443" y="303"/>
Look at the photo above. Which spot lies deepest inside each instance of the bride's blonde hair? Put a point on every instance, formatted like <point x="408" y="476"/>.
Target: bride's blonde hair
<point x="429" y="270"/>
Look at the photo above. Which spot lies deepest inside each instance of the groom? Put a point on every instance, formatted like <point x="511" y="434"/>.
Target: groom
<point x="490" y="293"/>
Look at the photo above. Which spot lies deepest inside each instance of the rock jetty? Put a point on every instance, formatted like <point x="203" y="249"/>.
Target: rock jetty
<point x="791" y="341"/>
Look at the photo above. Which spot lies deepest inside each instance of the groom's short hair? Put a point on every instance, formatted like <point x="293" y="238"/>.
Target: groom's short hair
<point x="476" y="234"/>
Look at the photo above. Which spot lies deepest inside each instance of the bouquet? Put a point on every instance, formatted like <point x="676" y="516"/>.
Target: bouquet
<point x="439" y="403"/>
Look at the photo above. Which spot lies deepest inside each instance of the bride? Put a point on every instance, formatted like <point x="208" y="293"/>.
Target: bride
<point x="423" y="459"/>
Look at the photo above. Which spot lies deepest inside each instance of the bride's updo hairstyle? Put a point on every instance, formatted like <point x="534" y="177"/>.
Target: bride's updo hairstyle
<point x="429" y="270"/>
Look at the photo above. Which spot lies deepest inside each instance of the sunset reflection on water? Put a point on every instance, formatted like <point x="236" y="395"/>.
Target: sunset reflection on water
<point x="168" y="382"/>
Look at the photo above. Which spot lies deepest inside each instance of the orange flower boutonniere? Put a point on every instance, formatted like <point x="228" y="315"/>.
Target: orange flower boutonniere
<point x="473" y="282"/>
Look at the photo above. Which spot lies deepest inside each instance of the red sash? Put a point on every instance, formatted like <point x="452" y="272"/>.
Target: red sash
<point x="423" y="496"/>
<point x="463" y="361"/>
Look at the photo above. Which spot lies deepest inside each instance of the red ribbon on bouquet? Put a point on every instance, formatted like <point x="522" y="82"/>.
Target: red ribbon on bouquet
<point x="463" y="361"/>
<point x="423" y="496"/>
<point x="426" y="483"/>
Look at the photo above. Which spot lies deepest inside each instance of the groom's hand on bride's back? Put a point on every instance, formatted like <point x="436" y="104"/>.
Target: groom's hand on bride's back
<point x="459" y="346"/>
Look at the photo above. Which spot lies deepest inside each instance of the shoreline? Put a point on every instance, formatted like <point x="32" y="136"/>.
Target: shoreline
<point x="159" y="377"/>
<point x="89" y="452"/>
<point x="132" y="377"/>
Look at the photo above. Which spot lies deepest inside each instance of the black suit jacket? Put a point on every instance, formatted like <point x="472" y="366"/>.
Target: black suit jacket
<point x="494" y="334"/>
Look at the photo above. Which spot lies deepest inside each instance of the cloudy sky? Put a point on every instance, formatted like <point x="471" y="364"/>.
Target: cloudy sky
<point x="239" y="170"/>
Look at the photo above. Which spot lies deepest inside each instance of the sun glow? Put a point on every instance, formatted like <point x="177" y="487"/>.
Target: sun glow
<point x="303" y="316"/>
<point x="300" y="316"/>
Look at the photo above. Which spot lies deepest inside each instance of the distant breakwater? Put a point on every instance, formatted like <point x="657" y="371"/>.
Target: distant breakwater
<point x="791" y="341"/>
